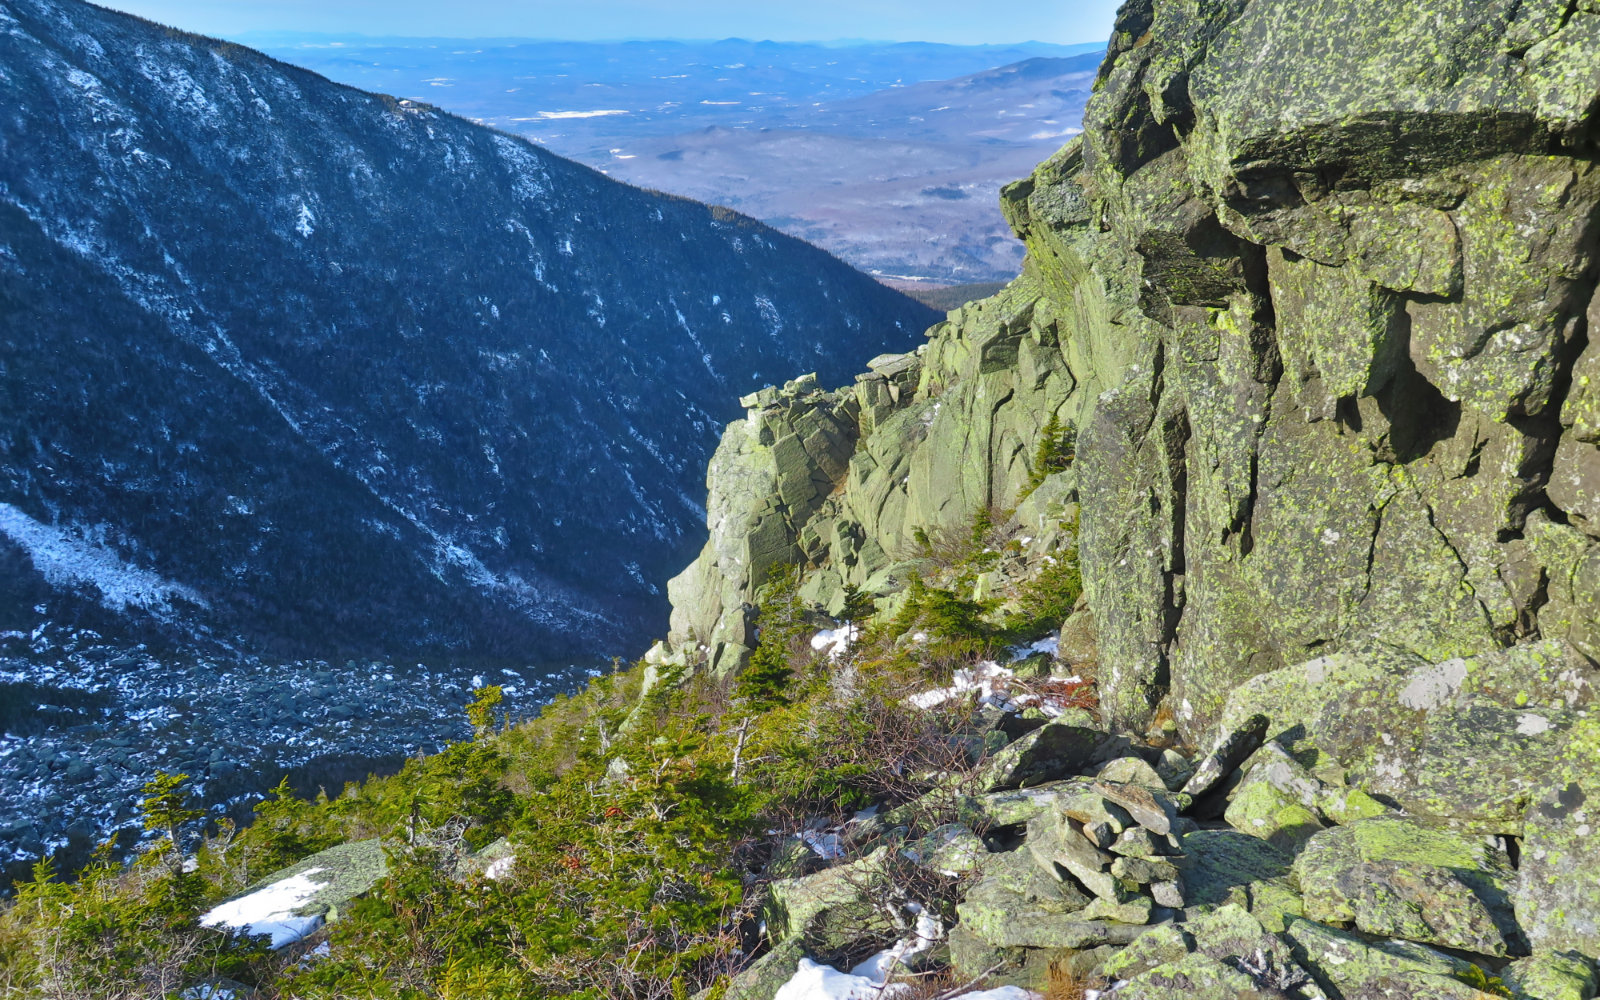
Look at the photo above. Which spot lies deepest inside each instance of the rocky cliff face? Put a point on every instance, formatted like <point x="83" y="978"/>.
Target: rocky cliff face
<point x="1317" y="290"/>
<point x="295" y="369"/>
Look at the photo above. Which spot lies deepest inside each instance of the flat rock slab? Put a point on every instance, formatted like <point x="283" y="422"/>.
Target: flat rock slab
<point x="1394" y="877"/>
<point x="1015" y="806"/>
<point x="344" y="872"/>
<point x="1156" y="811"/>
<point x="1225" y="866"/>
<point x="1194" y="977"/>
<point x="1348" y="966"/>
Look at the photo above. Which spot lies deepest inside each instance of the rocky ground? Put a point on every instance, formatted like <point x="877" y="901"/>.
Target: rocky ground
<point x="1261" y="868"/>
<point x="87" y="724"/>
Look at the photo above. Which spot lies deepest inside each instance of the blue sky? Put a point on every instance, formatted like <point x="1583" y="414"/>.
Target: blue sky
<point x="955" y="21"/>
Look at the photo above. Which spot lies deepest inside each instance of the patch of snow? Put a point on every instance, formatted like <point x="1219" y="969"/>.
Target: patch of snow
<point x="1049" y="644"/>
<point x="867" y="981"/>
<point x="769" y="315"/>
<point x="65" y="559"/>
<point x="271" y="910"/>
<point x="835" y="641"/>
<point x="1003" y="993"/>
<point x="990" y="680"/>
<point x="999" y="687"/>
<point x="827" y="846"/>
<point x="499" y="868"/>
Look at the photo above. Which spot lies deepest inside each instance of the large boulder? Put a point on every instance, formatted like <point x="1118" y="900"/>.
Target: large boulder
<point x="1465" y="740"/>
<point x="1393" y="877"/>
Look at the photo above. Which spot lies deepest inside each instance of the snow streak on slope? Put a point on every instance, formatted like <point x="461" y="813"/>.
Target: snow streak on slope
<point x="69" y="559"/>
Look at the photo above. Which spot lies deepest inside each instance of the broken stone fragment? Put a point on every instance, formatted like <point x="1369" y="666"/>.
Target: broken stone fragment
<point x="1057" y="845"/>
<point x="1396" y="878"/>
<point x="1233" y="750"/>
<point x="1169" y="894"/>
<point x="1175" y="769"/>
<point x="1088" y="806"/>
<point x="1100" y="834"/>
<point x="1156" y="811"/>
<point x="1141" y="843"/>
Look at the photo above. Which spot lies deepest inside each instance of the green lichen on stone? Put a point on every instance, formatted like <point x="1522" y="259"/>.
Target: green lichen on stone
<point x="1393" y="877"/>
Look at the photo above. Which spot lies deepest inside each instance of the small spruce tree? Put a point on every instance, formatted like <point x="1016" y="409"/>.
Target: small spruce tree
<point x="165" y="807"/>
<point x="781" y="620"/>
<point x="481" y="709"/>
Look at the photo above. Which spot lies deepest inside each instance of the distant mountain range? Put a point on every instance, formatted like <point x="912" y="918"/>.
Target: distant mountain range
<point x="891" y="156"/>
<point x="286" y="367"/>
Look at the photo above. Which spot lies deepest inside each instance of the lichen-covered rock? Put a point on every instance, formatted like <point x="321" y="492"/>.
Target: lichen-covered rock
<point x="951" y="849"/>
<point x="766" y="975"/>
<point x="1225" y="866"/>
<point x="1193" y="977"/>
<point x="1558" y="884"/>
<point x="1155" y="809"/>
<point x="1312" y="288"/>
<point x="1263" y="810"/>
<point x="1393" y="877"/>
<point x="833" y="908"/>
<point x="1349" y="966"/>
<point x="1134" y="909"/>
<point x="1050" y="752"/>
<point x="1232" y="750"/>
<point x="1552" y="975"/>
<point x="1132" y="771"/>
<point x="771" y="473"/>
<point x="1463" y="740"/>
<point x="1061" y="848"/>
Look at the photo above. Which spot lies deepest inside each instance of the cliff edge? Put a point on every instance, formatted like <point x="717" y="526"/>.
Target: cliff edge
<point x="1314" y="294"/>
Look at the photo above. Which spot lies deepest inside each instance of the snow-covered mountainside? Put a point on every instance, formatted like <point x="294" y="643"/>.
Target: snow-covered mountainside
<point x="297" y="370"/>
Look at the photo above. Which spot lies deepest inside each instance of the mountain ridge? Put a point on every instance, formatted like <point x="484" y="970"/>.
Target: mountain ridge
<point x="284" y="272"/>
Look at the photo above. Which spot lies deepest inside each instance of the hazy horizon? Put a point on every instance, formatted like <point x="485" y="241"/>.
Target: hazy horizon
<point x="826" y="22"/>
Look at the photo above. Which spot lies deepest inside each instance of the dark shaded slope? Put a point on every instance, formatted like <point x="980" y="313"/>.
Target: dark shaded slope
<point x="345" y="375"/>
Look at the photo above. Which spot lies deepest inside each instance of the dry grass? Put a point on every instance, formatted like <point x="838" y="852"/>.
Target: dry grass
<point x="1066" y="984"/>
